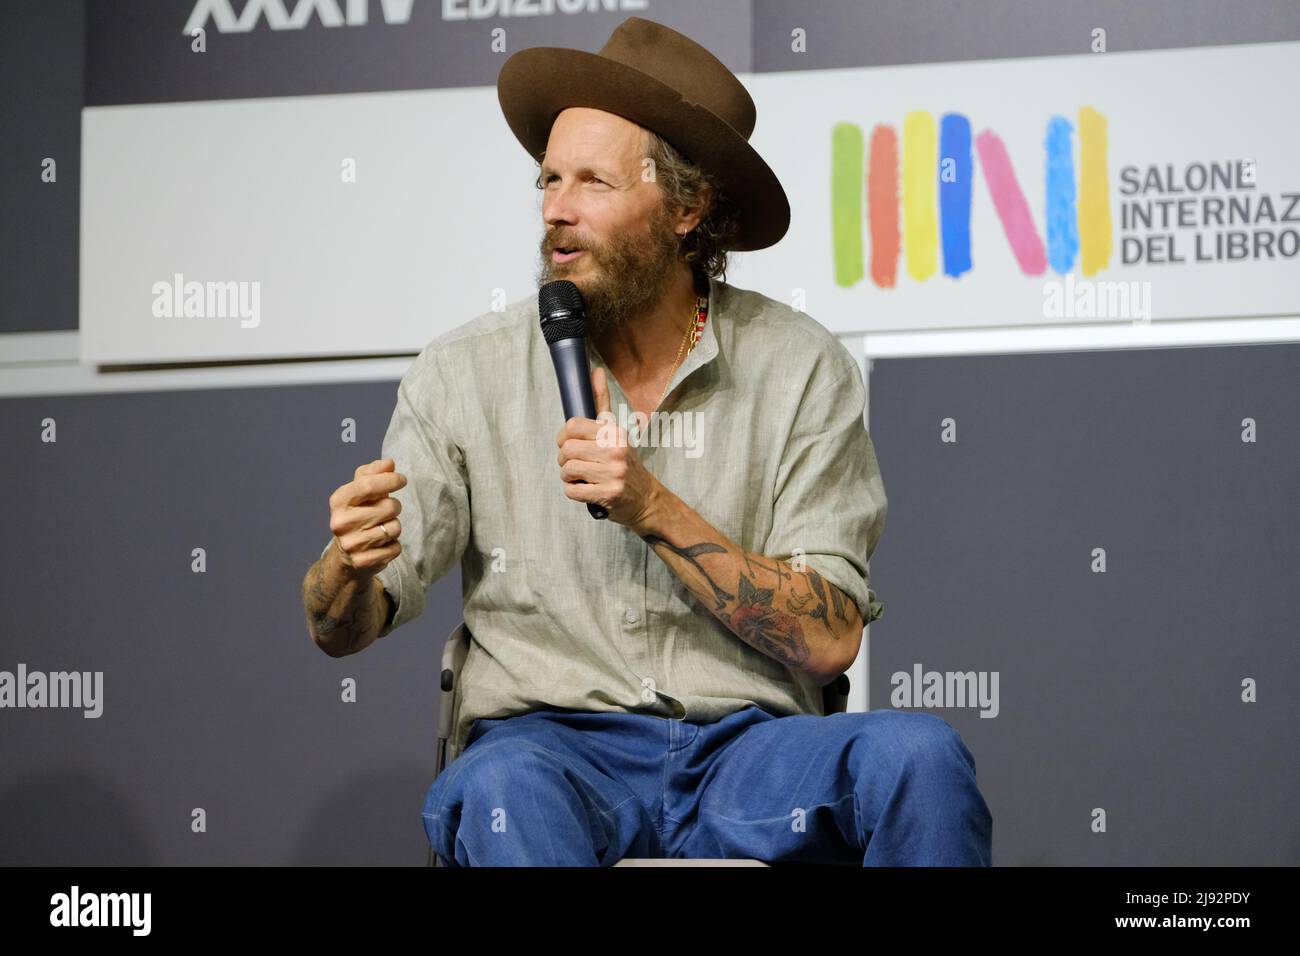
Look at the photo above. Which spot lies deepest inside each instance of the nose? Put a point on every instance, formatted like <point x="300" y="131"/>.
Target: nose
<point x="558" y="208"/>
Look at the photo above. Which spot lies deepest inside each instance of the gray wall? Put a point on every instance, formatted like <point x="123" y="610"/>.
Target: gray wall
<point x="42" y="54"/>
<point x="214" y="695"/>
<point x="1118" y="690"/>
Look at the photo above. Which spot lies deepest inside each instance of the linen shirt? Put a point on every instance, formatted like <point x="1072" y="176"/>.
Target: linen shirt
<point x="572" y="612"/>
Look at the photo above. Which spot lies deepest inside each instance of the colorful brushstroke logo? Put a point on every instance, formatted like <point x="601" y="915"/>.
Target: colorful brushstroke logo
<point x="908" y="217"/>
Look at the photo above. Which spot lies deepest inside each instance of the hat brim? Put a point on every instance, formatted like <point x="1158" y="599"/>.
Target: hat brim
<point x="537" y="83"/>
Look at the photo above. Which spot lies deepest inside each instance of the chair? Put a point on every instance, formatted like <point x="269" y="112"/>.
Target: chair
<point x="835" y="700"/>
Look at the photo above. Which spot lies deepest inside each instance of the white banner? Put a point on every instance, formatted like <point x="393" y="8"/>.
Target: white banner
<point x="1186" y="206"/>
<point x="1105" y="187"/>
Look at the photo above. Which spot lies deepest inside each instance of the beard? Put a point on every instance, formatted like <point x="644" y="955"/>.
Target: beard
<point x="625" y="276"/>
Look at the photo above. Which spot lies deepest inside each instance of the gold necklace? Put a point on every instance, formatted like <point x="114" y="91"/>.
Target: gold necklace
<point x="700" y="303"/>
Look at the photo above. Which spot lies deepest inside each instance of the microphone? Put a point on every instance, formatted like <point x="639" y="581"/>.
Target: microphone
<point x="564" y="324"/>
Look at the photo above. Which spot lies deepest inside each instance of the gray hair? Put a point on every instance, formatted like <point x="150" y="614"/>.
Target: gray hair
<point x="683" y="184"/>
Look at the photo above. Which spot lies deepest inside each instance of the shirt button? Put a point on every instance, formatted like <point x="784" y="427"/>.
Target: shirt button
<point x="648" y="689"/>
<point x="630" y="616"/>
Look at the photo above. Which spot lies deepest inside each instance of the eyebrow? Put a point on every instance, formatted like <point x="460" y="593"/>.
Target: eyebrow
<point x="602" y="174"/>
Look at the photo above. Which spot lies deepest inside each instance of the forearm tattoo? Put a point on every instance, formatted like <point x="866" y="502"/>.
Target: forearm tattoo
<point x="317" y="600"/>
<point x="767" y="618"/>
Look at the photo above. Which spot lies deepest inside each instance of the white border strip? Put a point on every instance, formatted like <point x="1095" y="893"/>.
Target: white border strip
<point x="19" y="348"/>
<point x="51" y="367"/>
<point x="46" y="363"/>
<point x="860" y="670"/>
<point x="1082" y="338"/>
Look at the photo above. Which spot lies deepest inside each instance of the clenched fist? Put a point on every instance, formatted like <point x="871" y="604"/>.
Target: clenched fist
<point x="363" y="517"/>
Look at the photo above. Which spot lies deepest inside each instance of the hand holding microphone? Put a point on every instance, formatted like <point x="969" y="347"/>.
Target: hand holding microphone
<point x="564" y="325"/>
<point x="597" y="463"/>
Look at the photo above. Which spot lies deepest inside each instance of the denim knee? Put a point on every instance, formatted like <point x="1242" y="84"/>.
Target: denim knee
<point x="500" y="782"/>
<point x="471" y="783"/>
<point x="934" y="754"/>
<point x="484" y="771"/>
<point x="925" y="740"/>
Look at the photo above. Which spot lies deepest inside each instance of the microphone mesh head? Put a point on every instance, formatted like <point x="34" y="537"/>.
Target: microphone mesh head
<point x="560" y="310"/>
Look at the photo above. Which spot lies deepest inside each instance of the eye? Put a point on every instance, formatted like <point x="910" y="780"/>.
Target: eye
<point x="552" y="176"/>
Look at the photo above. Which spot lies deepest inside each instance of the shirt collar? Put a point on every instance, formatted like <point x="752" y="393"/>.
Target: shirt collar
<point x="705" y="351"/>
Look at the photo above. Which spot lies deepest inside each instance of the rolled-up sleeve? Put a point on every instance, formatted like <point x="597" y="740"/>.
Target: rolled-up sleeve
<point x="829" y="496"/>
<point x="435" y="512"/>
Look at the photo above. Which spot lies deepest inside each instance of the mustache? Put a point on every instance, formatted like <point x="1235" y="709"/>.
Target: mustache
<point x="564" y="242"/>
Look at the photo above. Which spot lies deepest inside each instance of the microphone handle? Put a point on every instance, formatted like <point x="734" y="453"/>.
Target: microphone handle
<point x="574" y="376"/>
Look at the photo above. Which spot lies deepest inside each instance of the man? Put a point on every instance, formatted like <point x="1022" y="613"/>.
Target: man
<point x="649" y="685"/>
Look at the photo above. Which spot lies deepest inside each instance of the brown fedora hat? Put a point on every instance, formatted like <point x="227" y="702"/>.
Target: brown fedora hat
<point x="668" y="83"/>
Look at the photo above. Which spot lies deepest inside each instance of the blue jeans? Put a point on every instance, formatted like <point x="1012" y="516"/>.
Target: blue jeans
<point x="572" y="788"/>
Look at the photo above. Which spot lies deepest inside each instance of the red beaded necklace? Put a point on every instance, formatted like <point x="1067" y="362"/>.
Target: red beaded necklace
<point x="693" y="333"/>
